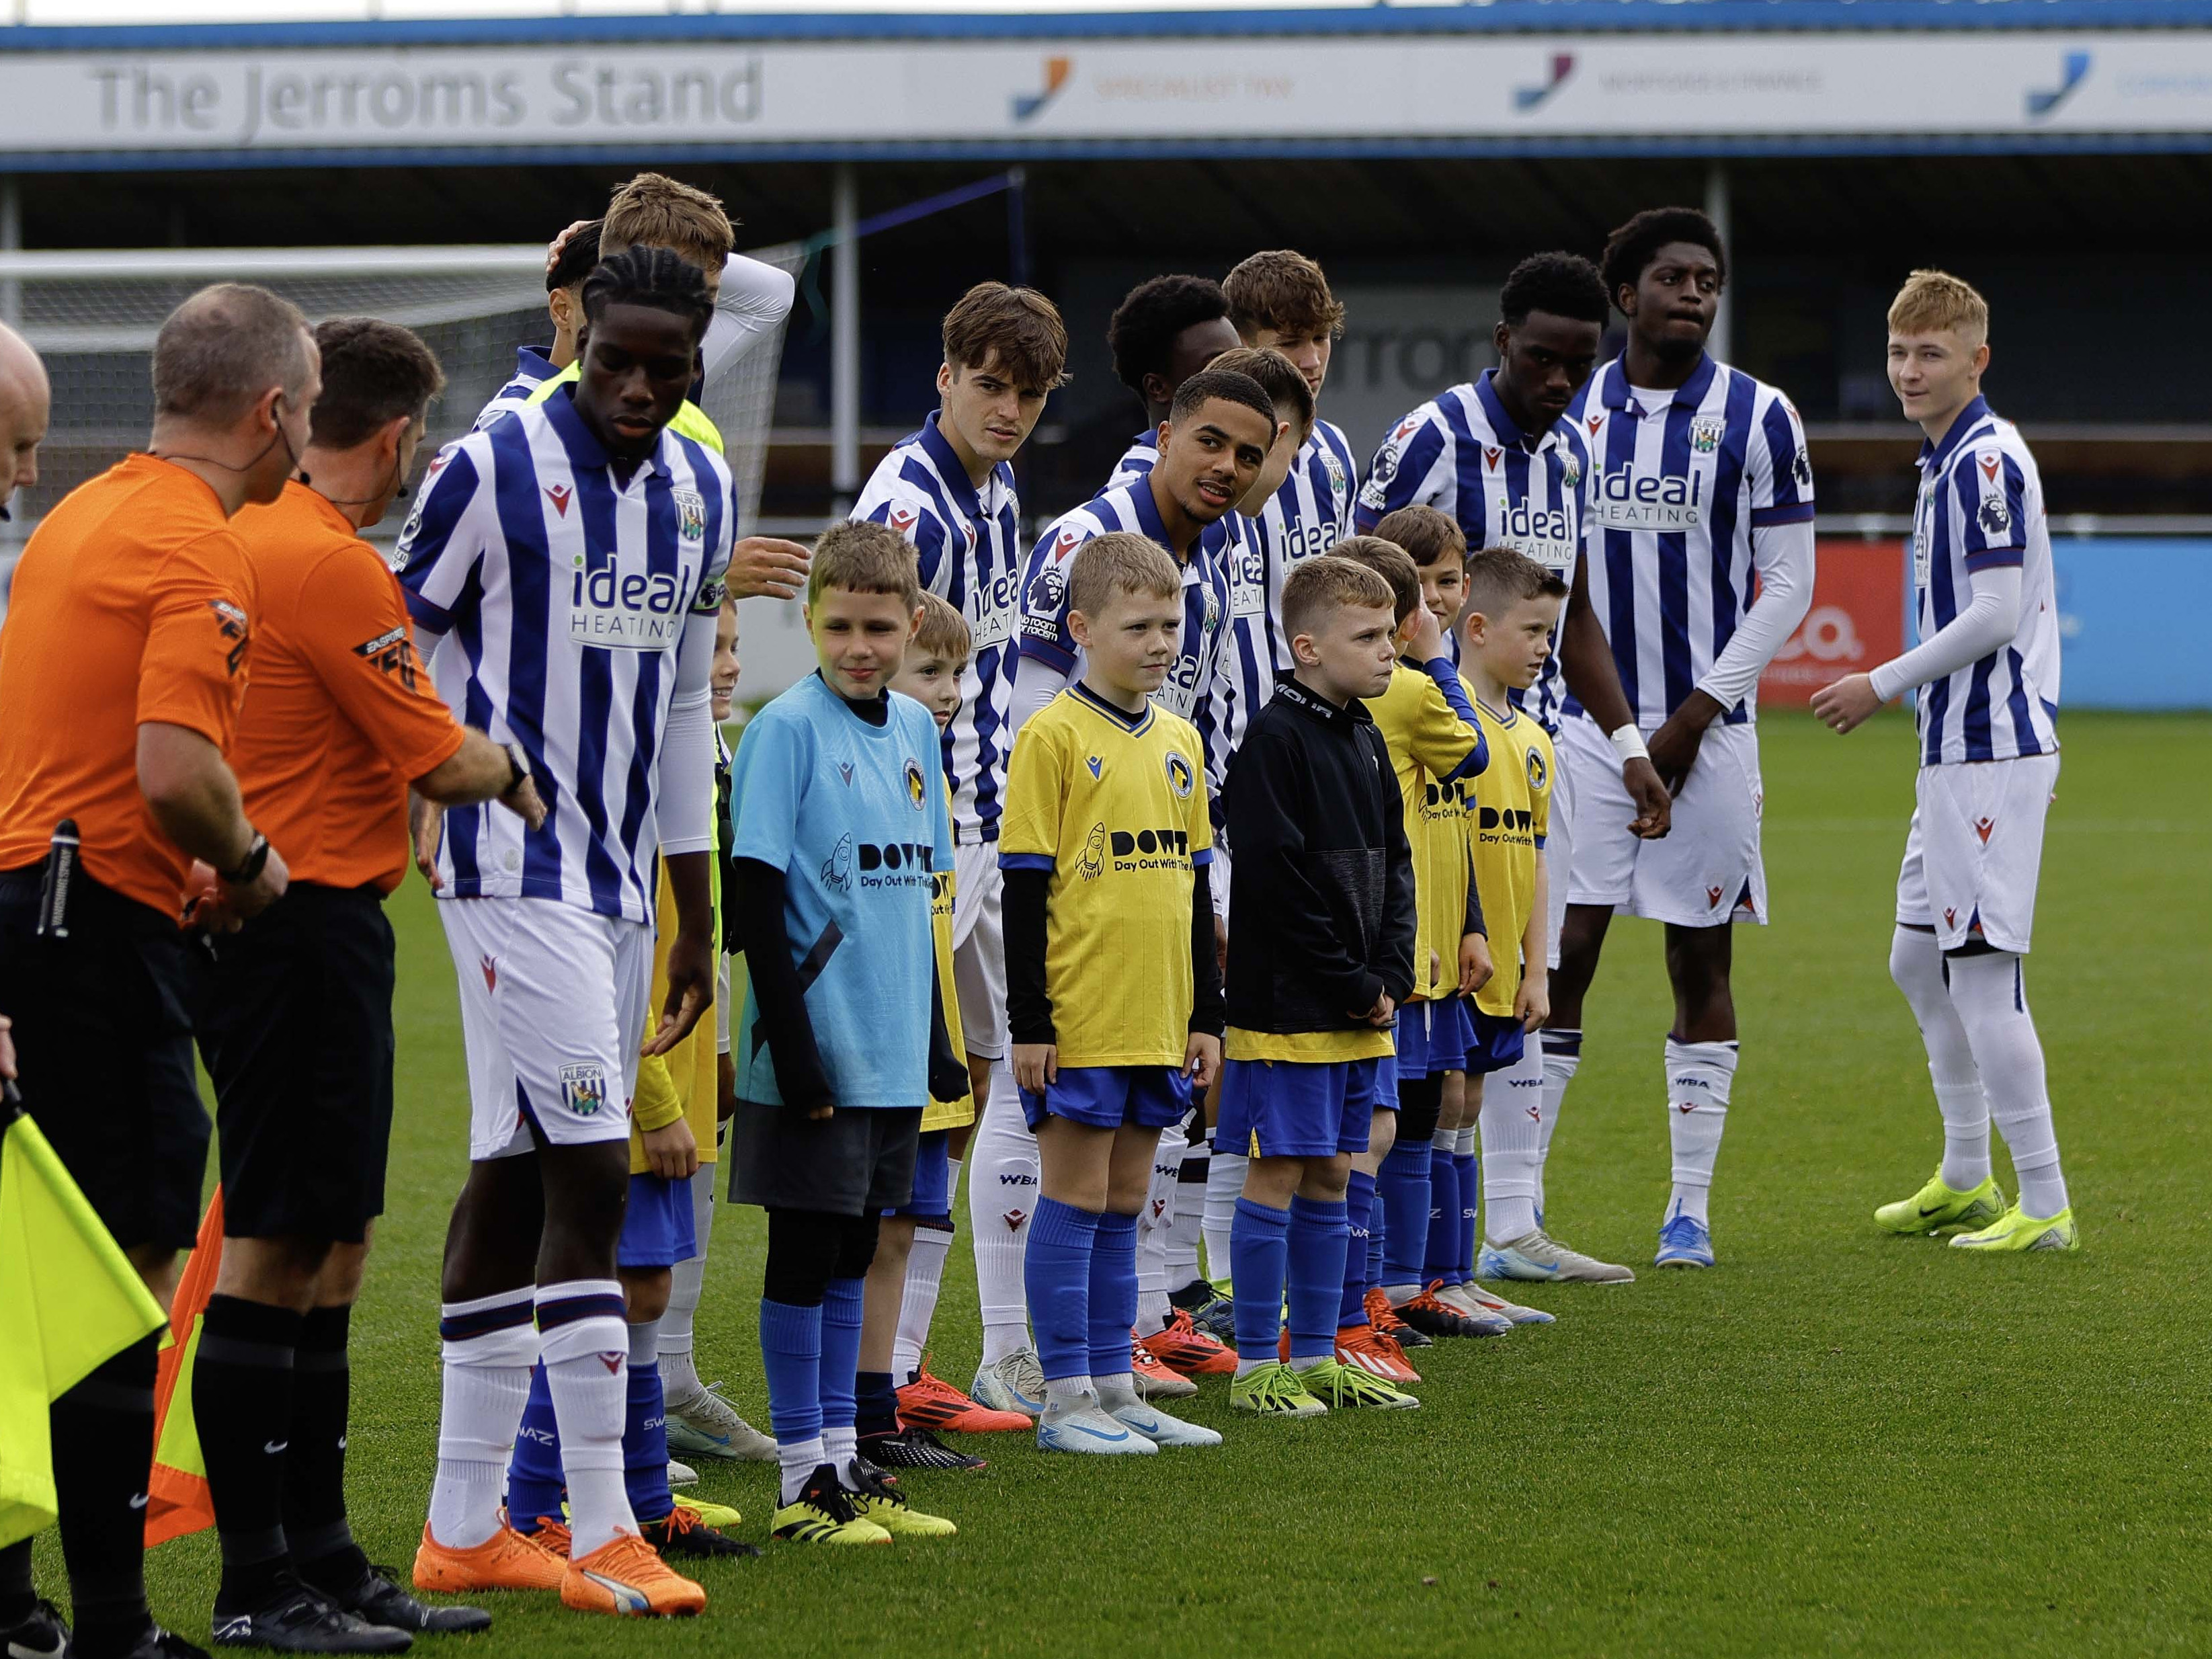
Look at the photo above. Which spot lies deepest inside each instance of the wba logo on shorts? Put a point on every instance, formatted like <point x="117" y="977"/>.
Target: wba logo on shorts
<point x="583" y="1088"/>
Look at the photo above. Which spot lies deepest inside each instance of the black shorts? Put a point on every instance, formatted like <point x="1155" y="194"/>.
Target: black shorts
<point x="855" y="1162"/>
<point x="296" y="1031"/>
<point x="104" y="1044"/>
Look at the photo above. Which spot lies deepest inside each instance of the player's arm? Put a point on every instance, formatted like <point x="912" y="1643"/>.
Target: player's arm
<point x="1475" y="966"/>
<point x="1044" y="663"/>
<point x="1533" y="1001"/>
<point x="1416" y="468"/>
<point x="1446" y="737"/>
<point x="685" y="798"/>
<point x="1264" y="805"/>
<point x="1029" y="840"/>
<point x="656" y="1116"/>
<point x="1201" y="1054"/>
<point x="1989" y="620"/>
<point x="1400" y="917"/>
<point x="770" y="776"/>
<point x="753" y="300"/>
<point x="1586" y="661"/>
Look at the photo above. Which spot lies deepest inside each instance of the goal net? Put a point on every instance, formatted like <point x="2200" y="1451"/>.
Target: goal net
<point x="92" y="316"/>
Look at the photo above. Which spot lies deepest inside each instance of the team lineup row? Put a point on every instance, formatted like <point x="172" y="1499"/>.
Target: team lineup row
<point x="1266" y="809"/>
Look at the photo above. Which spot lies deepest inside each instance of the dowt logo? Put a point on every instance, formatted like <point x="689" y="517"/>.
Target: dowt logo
<point x="2045" y="101"/>
<point x="1028" y="106"/>
<point x="1526" y="98"/>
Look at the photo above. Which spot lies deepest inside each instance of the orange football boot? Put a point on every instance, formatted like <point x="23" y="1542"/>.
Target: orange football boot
<point x="626" y="1576"/>
<point x="930" y="1402"/>
<point x="1367" y="1349"/>
<point x="1181" y="1347"/>
<point x="506" y="1560"/>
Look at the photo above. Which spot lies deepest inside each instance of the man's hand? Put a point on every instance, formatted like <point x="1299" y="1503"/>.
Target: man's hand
<point x="1531" y="1003"/>
<point x="553" y="248"/>
<point x="1428" y="642"/>
<point x="767" y="567"/>
<point x="690" y="990"/>
<point x="7" y="1049"/>
<point x="725" y="1088"/>
<point x="671" y="1152"/>
<point x="1654" y="807"/>
<point x="1201" y="1059"/>
<point x="523" y="800"/>
<point x="1673" y="746"/>
<point x="426" y="820"/>
<point x="1379" y="1015"/>
<point x="1036" y="1063"/>
<point x="248" y="899"/>
<point x="1846" y="705"/>
<point x="1475" y="967"/>
<point x="205" y="908"/>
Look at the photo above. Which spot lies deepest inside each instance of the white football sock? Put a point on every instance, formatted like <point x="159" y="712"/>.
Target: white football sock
<point x="1915" y="964"/>
<point x="839" y="1448"/>
<point x="587" y="1373"/>
<point x="1224" y="1185"/>
<point x="1187" y="1214"/>
<point x="1511" y="1121"/>
<point x="797" y="1461"/>
<point x="1152" y="1223"/>
<point x="925" y="1277"/>
<point x="1990" y="993"/>
<point x="1563" y="1057"/>
<point x="1063" y="1394"/>
<point x="485" y="1385"/>
<point x="1117" y="1392"/>
<point x="1000" y="1202"/>
<point x="1699" y="1075"/>
<point x="687" y="1284"/>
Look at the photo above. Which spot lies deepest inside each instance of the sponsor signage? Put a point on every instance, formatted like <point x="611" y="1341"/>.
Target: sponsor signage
<point x="1012" y="96"/>
<point x="1855" y="625"/>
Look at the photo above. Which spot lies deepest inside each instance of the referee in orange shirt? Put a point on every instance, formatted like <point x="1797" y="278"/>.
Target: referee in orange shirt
<point x="297" y="1034"/>
<point x="122" y="662"/>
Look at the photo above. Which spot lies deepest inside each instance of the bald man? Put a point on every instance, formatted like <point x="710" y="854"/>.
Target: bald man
<point x="26" y="400"/>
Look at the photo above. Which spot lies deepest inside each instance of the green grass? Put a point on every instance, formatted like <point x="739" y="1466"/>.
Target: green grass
<point x="1838" y="1441"/>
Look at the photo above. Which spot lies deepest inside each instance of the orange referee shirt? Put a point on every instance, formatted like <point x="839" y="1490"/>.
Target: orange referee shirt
<point x="340" y="717"/>
<point x="132" y="604"/>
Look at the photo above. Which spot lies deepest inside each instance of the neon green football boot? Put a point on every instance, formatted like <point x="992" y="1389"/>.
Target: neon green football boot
<point x="2015" y="1229"/>
<point x="1340" y="1387"/>
<point x="1937" y="1208"/>
<point x="1274" y="1390"/>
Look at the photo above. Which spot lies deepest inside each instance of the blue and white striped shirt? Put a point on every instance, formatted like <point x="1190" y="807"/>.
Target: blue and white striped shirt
<point x="533" y="368"/>
<point x="567" y="603"/>
<point x="1193" y="687"/>
<point x="1674" y="494"/>
<point x="969" y="544"/>
<point x="1137" y="461"/>
<point x="1980" y="507"/>
<point x="1461" y="454"/>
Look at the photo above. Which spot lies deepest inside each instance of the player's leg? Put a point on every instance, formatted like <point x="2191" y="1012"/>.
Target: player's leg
<point x="1414" y="1184"/>
<point x="925" y="1402"/>
<point x="701" y="1422"/>
<point x="1002" y="1192"/>
<point x="1153" y="1099"/>
<point x="1358" y="1342"/>
<point x="1224" y="1169"/>
<point x="1561" y="1041"/>
<point x="1984" y="844"/>
<point x="1153" y="1217"/>
<point x="1171" y="1347"/>
<point x="804" y="1249"/>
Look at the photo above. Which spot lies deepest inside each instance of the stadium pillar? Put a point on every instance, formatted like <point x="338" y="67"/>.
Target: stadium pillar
<point x="845" y="341"/>
<point x="1719" y="343"/>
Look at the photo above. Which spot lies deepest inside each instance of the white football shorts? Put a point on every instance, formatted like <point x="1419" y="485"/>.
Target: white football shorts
<point x="1975" y="850"/>
<point x="553" y="1014"/>
<point x="1706" y="869"/>
<point x="979" y="947"/>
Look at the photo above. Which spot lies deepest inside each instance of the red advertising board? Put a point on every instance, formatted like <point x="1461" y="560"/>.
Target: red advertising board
<point x="1856" y="621"/>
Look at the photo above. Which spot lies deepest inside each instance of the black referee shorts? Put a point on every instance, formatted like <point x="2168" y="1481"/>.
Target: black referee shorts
<point x="104" y="1044"/>
<point x="296" y="1032"/>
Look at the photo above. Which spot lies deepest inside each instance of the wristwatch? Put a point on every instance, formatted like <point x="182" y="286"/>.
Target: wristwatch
<point x="250" y="867"/>
<point x="518" y="763"/>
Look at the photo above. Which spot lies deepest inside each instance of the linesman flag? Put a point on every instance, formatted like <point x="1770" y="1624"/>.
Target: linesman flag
<point x="70" y="1300"/>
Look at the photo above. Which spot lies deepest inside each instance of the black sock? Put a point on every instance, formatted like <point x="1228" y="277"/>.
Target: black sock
<point x="103" y="1440"/>
<point x="18" y="1600"/>
<point x="877" y="1402"/>
<point x="242" y="1405"/>
<point x="321" y="1543"/>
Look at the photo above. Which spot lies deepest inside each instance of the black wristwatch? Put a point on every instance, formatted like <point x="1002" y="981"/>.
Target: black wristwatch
<point x="518" y="764"/>
<point x="249" y="867"/>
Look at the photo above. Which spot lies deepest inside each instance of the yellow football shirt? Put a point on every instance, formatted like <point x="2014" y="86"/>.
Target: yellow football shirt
<point x="691" y="420"/>
<point x="1506" y="824"/>
<point x="1115" y="809"/>
<point x="941" y="1114"/>
<point x="1429" y="743"/>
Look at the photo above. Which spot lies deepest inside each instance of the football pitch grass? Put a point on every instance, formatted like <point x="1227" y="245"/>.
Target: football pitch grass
<point x="1837" y="1441"/>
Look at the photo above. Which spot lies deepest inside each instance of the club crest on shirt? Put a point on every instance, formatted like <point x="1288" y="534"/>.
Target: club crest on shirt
<point x="1180" y="775"/>
<point x="914" y="791"/>
<point x="691" y="514"/>
<point x="1706" y="432"/>
<point x="1210" y="609"/>
<point x="1571" y="472"/>
<point x="1535" y="770"/>
<point x="583" y="1087"/>
<point x="1335" y="468"/>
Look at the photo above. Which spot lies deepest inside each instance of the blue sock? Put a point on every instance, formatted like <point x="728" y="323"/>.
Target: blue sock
<point x="790" y="1358"/>
<point x="1444" y="1219"/>
<point x="1113" y="1294"/>
<point x="645" y="1446"/>
<point x="1057" y="1272"/>
<point x="1402" y="1187"/>
<point x="1470" y="1185"/>
<point x="534" y="1486"/>
<point x="1315" y="1276"/>
<point x="876" y="1397"/>
<point x="1360" y="1211"/>
<point x="1377" y="1232"/>
<point x="1259" y="1260"/>
<point x="840" y="1351"/>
